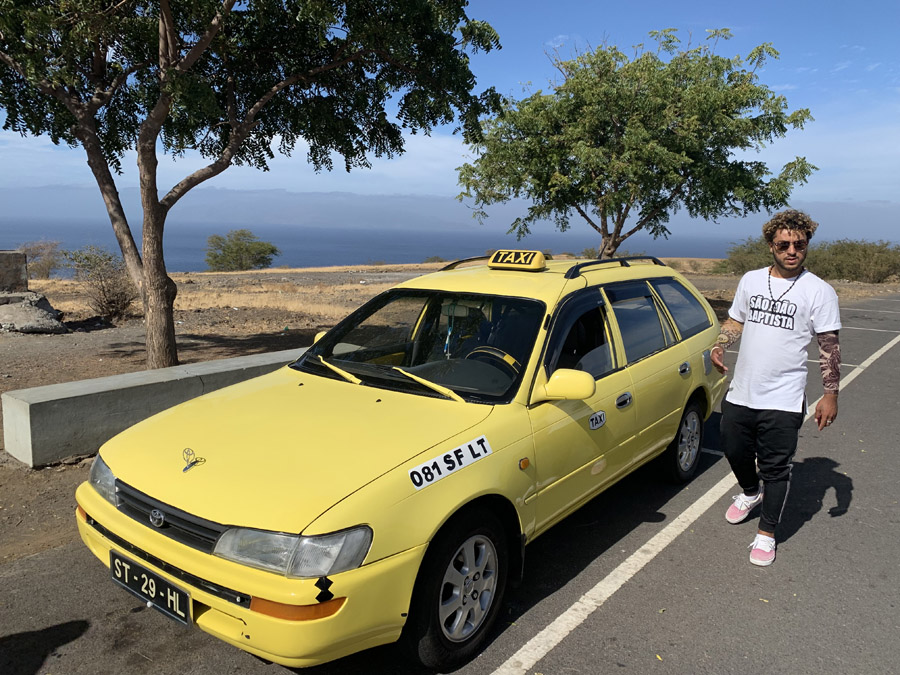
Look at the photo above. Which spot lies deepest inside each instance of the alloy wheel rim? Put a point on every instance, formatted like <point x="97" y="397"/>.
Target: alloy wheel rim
<point x="689" y="441"/>
<point x="467" y="590"/>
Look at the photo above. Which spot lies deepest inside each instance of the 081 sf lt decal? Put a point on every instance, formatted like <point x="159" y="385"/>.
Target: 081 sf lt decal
<point x="434" y="469"/>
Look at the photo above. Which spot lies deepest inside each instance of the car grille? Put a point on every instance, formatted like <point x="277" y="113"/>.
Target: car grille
<point x="179" y="525"/>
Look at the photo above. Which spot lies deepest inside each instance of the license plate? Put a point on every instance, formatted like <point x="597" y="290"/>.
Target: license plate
<point x="150" y="587"/>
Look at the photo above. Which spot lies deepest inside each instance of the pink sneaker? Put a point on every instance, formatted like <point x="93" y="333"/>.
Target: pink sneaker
<point x="741" y="507"/>
<point x="762" y="551"/>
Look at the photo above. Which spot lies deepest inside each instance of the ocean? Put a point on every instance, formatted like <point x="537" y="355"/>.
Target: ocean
<point x="314" y="246"/>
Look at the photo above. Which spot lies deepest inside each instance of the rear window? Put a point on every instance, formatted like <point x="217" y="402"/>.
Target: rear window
<point x="644" y="331"/>
<point x="689" y="314"/>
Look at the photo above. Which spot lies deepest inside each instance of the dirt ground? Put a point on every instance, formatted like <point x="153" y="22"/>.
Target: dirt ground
<point x="36" y="505"/>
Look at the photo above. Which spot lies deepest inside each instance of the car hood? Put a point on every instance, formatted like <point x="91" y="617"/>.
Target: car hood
<point x="277" y="451"/>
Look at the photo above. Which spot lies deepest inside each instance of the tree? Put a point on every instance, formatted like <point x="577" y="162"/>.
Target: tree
<point x="624" y="143"/>
<point x="238" y="250"/>
<point x="229" y="80"/>
<point x="43" y="257"/>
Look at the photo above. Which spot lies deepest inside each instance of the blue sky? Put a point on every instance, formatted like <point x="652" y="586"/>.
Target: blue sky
<point x="839" y="59"/>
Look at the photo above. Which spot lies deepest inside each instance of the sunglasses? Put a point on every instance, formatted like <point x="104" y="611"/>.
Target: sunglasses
<point x="783" y="246"/>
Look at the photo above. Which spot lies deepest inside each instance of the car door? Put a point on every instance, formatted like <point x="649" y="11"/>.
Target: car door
<point x="581" y="446"/>
<point x="658" y="364"/>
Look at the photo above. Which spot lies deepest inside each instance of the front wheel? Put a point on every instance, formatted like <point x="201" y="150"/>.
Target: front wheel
<point x="458" y="593"/>
<point x="681" y="458"/>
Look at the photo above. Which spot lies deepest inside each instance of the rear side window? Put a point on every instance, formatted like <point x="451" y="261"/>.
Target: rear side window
<point x="644" y="330"/>
<point x="689" y="314"/>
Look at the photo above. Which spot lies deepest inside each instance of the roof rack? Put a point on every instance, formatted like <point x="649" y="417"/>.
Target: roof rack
<point x="457" y="263"/>
<point x="575" y="270"/>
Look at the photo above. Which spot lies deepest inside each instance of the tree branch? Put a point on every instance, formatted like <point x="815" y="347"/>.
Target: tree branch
<point x="203" y="43"/>
<point x="590" y="222"/>
<point x="242" y="130"/>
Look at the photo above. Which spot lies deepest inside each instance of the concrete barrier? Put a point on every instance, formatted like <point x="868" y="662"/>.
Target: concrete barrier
<point x="44" y="425"/>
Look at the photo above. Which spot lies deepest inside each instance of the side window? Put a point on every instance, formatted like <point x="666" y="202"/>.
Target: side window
<point x="690" y="316"/>
<point x="584" y="345"/>
<point x="644" y="330"/>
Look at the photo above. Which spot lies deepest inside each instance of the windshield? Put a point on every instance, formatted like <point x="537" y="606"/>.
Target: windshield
<point x="476" y="346"/>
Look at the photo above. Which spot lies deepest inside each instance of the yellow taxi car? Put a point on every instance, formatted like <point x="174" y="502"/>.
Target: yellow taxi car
<point x="384" y="486"/>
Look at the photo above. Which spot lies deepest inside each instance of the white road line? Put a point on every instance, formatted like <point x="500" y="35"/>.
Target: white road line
<point x="541" y="644"/>
<point x="877" y="330"/>
<point x="877" y="311"/>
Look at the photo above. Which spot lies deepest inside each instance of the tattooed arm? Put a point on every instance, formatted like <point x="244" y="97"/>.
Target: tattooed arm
<point x="731" y="333"/>
<point x="830" y="365"/>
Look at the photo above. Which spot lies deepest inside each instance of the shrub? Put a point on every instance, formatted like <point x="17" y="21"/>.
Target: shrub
<point x="750" y="254"/>
<point x="104" y="279"/>
<point x="237" y="251"/>
<point x="870" y="262"/>
<point x="43" y="258"/>
<point x="866" y="261"/>
<point x="434" y="259"/>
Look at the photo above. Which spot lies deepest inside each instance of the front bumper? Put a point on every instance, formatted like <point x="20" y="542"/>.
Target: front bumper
<point x="374" y="612"/>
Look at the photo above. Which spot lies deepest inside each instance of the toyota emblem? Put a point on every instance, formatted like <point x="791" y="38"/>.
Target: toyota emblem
<point x="157" y="518"/>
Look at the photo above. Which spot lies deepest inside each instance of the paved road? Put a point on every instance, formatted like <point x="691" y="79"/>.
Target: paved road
<point x="645" y="578"/>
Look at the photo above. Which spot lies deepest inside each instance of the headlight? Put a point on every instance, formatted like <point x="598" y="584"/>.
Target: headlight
<point x="296" y="556"/>
<point x="103" y="480"/>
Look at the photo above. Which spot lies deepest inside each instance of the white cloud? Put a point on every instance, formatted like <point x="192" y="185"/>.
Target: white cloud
<point x="783" y="87"/>
<point x="557" y="41"/>
<point x="842" y="65"/>
<point x="872" y="66"/>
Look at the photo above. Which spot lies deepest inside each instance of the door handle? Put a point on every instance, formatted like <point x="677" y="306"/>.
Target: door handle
<point x="684" y="368"/>
<point x="624" y="400"/>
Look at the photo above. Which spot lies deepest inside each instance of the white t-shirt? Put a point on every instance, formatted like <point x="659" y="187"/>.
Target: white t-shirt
<point x="771" y="368"/>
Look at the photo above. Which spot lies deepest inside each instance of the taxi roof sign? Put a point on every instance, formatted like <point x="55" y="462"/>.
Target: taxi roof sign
<point x="529" y="261"/>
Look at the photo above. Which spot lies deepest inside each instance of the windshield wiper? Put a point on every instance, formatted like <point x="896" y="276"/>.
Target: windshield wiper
<point x="350" y="377"/>
<point x="434" y="386"/>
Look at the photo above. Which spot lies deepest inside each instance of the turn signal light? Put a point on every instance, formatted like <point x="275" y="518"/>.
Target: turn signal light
<point x="280" y="610"/>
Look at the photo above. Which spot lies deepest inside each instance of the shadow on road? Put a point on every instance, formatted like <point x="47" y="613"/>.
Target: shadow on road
<point x="810" y="481"/>
<point x="25" y="653"/>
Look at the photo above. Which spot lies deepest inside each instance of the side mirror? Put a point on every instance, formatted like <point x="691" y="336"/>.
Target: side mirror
<point x="319" y="336"/>
<point x="569" y="385"/>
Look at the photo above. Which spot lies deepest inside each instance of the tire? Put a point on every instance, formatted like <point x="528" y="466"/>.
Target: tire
<point x="681" y="458"/>
<point x="458" y="593"/>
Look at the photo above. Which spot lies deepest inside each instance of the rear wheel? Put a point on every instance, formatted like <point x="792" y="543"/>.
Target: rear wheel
<point x="458" y="593"/>
<point x="681" y="458"/>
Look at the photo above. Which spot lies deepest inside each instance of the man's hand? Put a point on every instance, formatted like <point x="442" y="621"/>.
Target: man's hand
<point x="826" y="410"/>
<point x="731" y="333"/>
<point x="717" y="356"/>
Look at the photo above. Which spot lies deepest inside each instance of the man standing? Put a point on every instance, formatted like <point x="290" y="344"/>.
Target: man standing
<point x="776" y="312"/>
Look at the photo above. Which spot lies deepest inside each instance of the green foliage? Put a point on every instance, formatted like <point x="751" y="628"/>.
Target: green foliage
<point x="104" y="279"/>
<point x="434" y="259"/>
<point x="624" y="143"/>
<point x="43" y="257"/>
<point x="865" y="261"/>
<point x="750" y="254"/>
<point x="237" y="251"/>
<point x="321" y="70"/>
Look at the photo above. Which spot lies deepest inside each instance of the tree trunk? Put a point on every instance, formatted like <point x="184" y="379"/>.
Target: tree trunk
<point x="159" y="295"/>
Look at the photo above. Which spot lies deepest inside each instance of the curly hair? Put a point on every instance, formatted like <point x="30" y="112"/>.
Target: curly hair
<point x="789" y="220"/>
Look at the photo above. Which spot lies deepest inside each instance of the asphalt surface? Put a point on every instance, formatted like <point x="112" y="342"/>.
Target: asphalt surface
<point x="610" y="589"/>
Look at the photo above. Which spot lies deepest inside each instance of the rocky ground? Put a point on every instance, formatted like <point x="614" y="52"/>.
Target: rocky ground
<point x="36" y="505"/>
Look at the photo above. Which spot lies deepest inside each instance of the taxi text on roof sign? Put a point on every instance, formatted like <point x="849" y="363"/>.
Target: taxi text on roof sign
<point x="520" y="260"/>
<point x="532" y="261"/>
